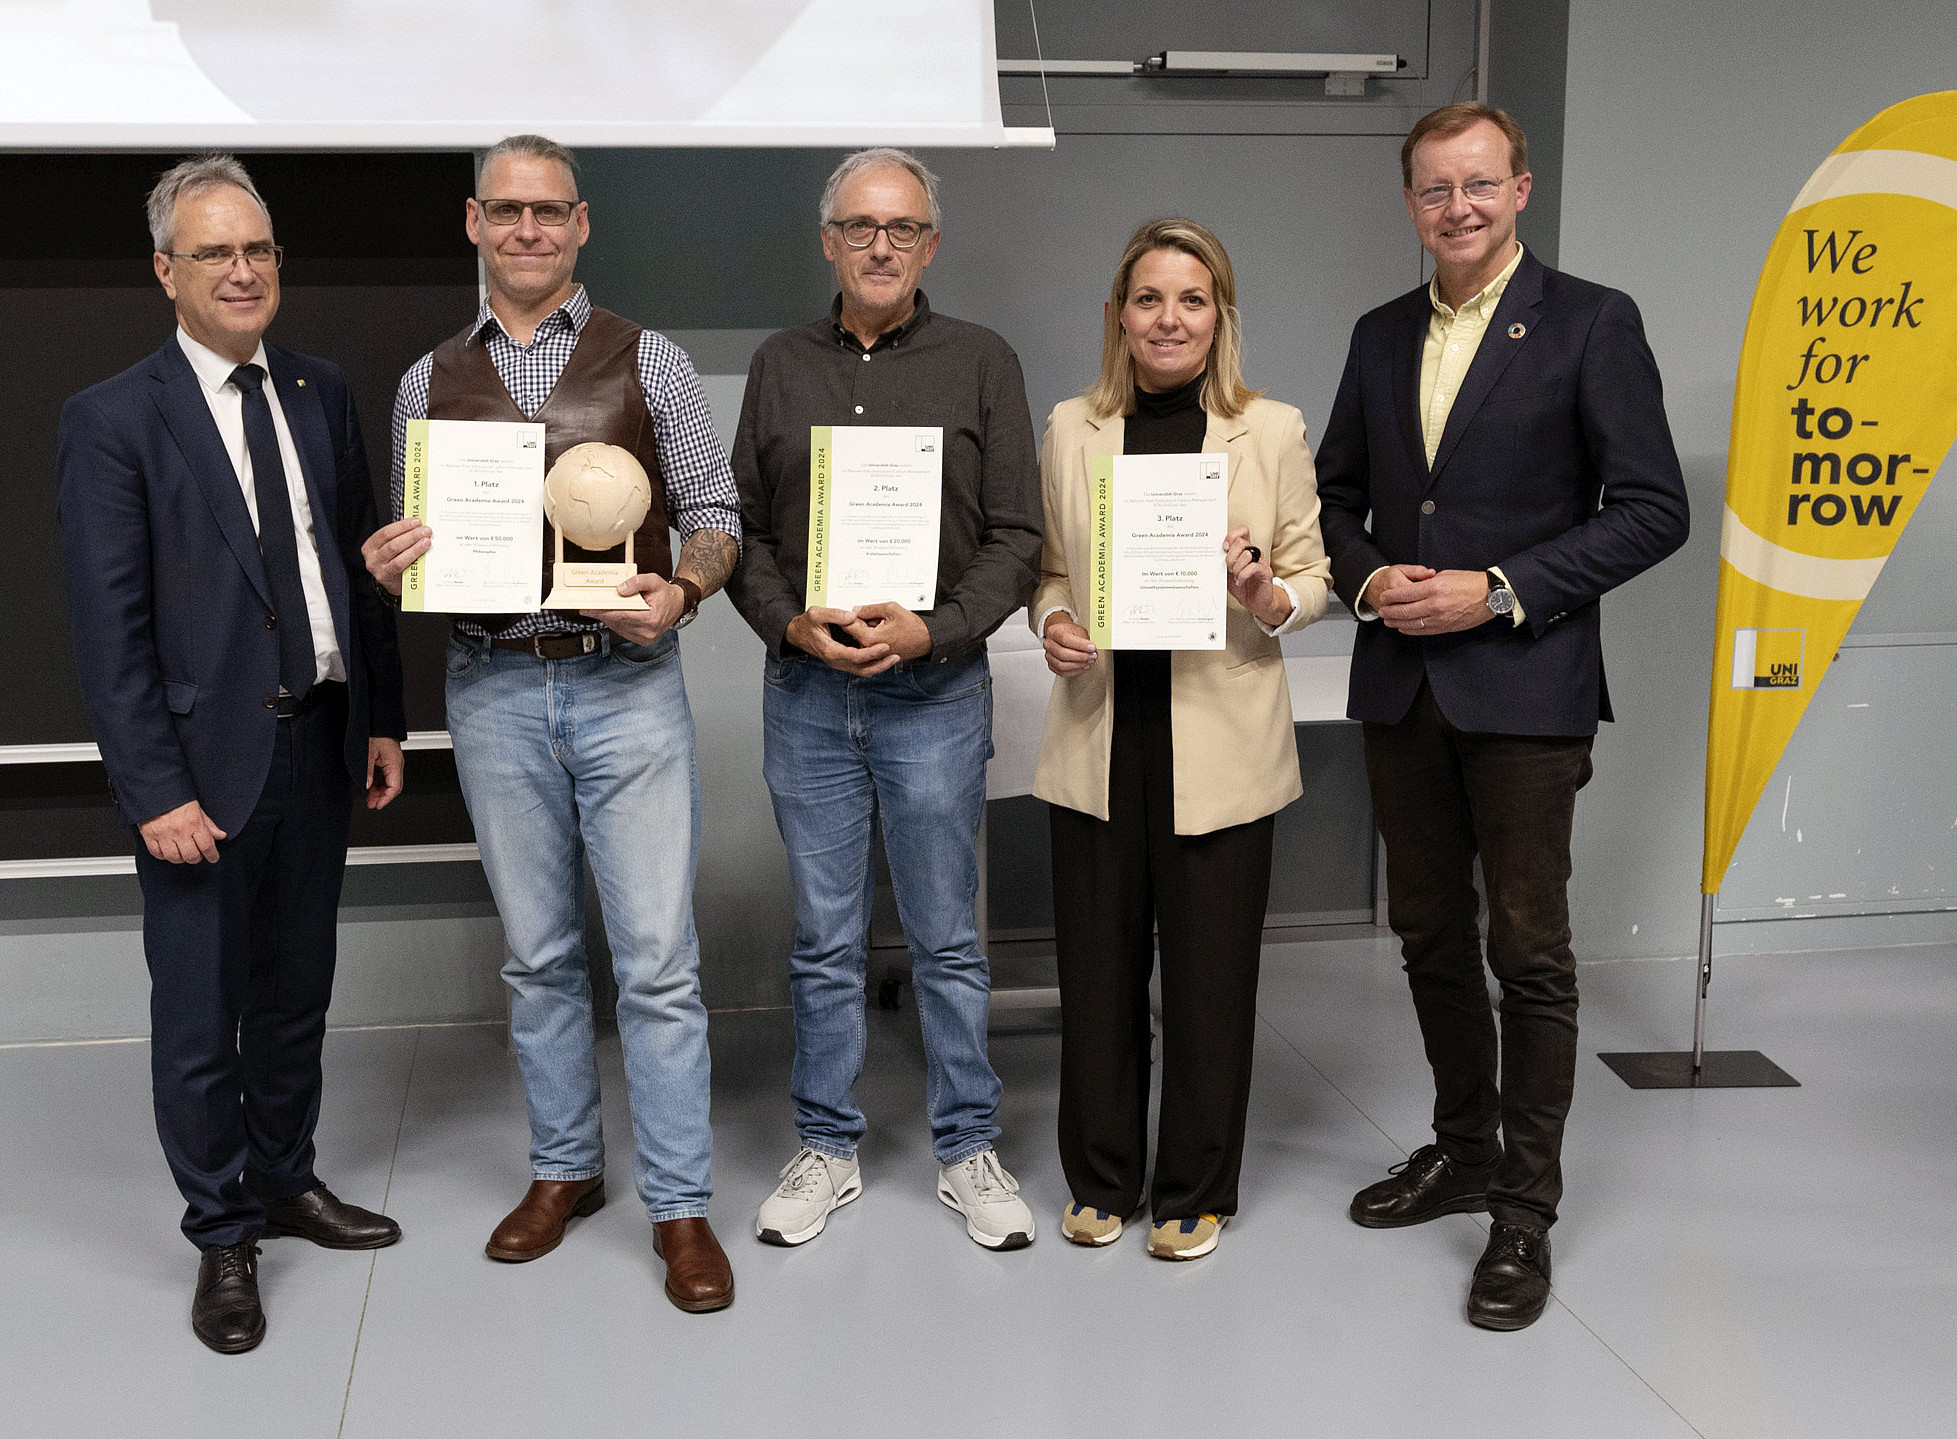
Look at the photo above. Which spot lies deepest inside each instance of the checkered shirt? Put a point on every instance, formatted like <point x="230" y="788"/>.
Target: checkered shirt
<point x="700" y="492"/>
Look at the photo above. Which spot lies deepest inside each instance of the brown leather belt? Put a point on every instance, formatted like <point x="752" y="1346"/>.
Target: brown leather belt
<point x="562" y="646"/>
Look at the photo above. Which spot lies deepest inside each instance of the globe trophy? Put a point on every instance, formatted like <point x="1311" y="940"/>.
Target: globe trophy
<point x="595" y="495"/>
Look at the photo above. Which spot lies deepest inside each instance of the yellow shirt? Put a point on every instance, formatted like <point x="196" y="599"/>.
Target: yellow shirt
<point x="1453" y="337"/>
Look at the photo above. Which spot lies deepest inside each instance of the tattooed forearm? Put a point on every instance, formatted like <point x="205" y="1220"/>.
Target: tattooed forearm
<point x="707" y="558"/>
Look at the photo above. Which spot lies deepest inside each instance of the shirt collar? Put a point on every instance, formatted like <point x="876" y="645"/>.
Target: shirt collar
<point x="919" y="315"/>
<point x="214" y="370"/>
<point x="570" y="315"/>
<point x="1485" y="302"/>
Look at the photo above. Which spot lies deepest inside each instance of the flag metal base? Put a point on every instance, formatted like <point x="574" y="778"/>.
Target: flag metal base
<point x="1699" y="1067"/>
<point x="1720" y="1069"/>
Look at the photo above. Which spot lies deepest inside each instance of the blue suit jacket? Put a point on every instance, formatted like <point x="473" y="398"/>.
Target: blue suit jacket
<point x="1556" y="465"/>
<point x="168" y="595"/>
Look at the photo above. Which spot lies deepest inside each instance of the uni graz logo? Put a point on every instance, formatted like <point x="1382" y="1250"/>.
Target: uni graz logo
<point x="1767" y="659"/>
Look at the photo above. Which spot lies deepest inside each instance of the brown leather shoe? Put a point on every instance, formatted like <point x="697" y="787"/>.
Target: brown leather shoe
<point x="698" y="1276"/>
<point x="536" y="1226"/>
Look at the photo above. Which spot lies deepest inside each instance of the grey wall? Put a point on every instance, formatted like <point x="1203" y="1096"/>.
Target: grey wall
<point x="1528" y="42"/>
<point x="1690" y="125"/>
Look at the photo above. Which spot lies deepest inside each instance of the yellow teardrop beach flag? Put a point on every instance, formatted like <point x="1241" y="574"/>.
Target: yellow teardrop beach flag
<point x="1844" y="408"/>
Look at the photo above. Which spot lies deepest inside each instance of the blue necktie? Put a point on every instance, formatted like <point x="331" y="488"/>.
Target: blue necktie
<point x="278" y="541"/>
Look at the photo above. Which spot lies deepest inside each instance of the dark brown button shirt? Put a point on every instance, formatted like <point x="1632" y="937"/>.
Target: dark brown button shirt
<point x="931" y="370"/>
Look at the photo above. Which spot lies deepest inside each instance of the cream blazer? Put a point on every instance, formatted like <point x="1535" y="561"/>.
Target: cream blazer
<point x="1230" y="709"/>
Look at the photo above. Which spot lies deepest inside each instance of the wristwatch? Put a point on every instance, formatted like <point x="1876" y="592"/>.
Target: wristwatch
<point x="692" y="606"/>
<point x="1501" y="599"/>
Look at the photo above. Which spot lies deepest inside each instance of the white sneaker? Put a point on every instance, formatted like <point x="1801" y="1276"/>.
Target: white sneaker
<point x="812" y="1186"/>
<point x="980" y="1189"/>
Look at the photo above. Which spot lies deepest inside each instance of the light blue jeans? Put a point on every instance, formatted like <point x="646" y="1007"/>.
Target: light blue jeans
<point x="909" y="745"/>
<point x="557" y="757"/>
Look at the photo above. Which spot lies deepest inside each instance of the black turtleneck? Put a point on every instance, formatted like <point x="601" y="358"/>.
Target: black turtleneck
<point x="1171" y="423"/>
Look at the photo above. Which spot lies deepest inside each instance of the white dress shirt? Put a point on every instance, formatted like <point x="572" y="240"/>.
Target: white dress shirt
<point x="227" y="404"/>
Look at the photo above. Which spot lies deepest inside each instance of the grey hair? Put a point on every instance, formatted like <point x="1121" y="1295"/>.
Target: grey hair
<point x="880" y="157"/>
<point x="198" y="173"/>
<point x="537" y="147"/>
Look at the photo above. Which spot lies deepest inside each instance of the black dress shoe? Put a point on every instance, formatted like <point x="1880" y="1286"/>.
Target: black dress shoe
<point x="1511" y="1284"/>
<point x="225" y="1312"/>
<point x="328" y="1222"/>
<point x="1424" y="1186"/>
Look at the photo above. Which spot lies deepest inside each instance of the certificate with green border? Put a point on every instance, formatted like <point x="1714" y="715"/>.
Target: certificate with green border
<point x="1155" y="551"/>
<point x="876" y="498"/>
<point x="479" y="485"/>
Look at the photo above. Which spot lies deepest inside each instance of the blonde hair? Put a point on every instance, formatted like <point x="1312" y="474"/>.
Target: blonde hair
<point x="1224" y="392"/>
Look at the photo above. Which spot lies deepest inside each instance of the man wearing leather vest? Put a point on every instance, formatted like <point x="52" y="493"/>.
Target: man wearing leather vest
<point x="571" y="729"/>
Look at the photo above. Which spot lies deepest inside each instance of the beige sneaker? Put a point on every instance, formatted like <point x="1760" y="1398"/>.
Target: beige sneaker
<point x="1095" y="1227"/>
<point x="813" y="1186"/>
<point x="1185" y="1238"/>
<point x="979" y="1188"/>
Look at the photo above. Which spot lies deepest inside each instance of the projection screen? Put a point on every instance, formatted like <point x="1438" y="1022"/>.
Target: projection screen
<point x="456" y="74"/>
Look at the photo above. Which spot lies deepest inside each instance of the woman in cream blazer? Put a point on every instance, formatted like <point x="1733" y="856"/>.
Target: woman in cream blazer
<point x="1164" y="770"/>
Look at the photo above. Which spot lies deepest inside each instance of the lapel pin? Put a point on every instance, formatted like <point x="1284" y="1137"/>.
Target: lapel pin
<point x="1518" y="330"/>
<point x="302" y="382"/>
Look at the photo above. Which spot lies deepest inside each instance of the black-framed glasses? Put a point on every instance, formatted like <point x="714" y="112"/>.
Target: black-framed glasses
<point x="508" y="212"/>
<point x="1435" y="196"/>
<point x="217" y="257"/>
<point x="861" y="234"/>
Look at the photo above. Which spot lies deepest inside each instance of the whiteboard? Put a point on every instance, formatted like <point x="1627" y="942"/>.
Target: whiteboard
<point x="461" y="74"/>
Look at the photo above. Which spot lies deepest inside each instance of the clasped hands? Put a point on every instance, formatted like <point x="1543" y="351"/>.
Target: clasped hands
<point x="392" y="548"/>
<point x="1070" y="652"/>
<point x="885" y="634"/>
<point x="1418" y="601"/>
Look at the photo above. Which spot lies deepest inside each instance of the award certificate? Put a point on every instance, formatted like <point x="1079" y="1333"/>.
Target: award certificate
<point x="479" y="485"/>
<point x="1157" y="578"/>
<point x="876" y="493"/>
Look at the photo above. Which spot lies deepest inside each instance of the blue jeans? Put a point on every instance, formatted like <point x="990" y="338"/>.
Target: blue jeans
<point x="910" y="745"/>
<point x="557" y="757"/>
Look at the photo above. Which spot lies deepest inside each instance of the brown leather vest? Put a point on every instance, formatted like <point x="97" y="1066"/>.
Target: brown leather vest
<point x="598" y="398"/>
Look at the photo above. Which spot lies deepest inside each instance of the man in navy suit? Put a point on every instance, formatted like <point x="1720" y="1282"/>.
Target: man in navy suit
<point x="242" y="680"/>
<point x="1497" y="458"/>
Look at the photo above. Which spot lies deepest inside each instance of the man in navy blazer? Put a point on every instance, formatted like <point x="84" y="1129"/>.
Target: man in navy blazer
<point x="242" y="680"/>
<point x="1497" y="458"/>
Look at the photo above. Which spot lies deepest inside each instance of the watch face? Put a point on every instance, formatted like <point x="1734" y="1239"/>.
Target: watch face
<point x="1502" y="601"/>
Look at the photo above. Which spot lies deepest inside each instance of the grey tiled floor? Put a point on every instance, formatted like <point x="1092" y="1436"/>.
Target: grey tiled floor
<point x="1736" y="1263"/>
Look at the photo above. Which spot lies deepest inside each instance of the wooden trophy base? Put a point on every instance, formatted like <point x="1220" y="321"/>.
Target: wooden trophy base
<point x="584" y="586"/>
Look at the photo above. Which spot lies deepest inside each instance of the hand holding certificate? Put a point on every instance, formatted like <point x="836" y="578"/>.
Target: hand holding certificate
<point x="1157" y="581"/>
<point x="479" y="485"/>
<point x="876" y="494"/>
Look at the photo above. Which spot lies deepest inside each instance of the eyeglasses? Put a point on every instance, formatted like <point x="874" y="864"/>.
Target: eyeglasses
<point x="508" y="212"/>
<point x="861" y="234"/>
<point x="1435" y="196"/>
<point x="216" y="257"/>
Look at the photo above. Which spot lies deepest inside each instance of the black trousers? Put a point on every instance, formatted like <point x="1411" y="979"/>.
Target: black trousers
<point x="1441" y="796"/>
<point x="241" y="969"/>
<point x="1114" y="882"/>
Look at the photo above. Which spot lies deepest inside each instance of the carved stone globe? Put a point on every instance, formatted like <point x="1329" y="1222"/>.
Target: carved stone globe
<point x="596" y="495"/>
